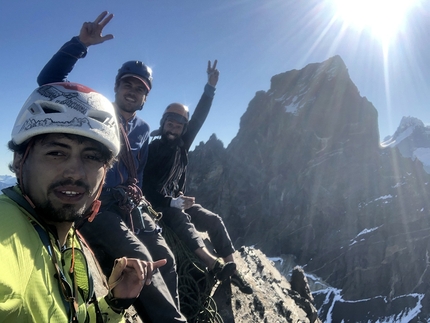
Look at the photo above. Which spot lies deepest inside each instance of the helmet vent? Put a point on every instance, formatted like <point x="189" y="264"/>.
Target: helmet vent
<point x="49" y="110"/>
<point x="40" y="107"/>
<point x="101" y="117"/>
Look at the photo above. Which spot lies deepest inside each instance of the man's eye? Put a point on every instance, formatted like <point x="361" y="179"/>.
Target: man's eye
<point x="55" y="153"/>
<point x="96" y="158"/>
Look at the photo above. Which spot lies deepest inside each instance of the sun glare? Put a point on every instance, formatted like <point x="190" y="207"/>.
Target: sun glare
<point x="383" y="18"/>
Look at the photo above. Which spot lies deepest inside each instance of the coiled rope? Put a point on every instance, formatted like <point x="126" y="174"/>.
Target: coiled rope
<point x="195" y="284"/>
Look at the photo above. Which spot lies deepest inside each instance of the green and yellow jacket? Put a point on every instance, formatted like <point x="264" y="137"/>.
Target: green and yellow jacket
<point x="36" y="283"/>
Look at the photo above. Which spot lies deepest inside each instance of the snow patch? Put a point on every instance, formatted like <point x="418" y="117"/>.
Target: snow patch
<point x="333" y="297"/>
<point x="275" y="259"/>
<point x="389" y="196"/>
<point x="365" y="231"/>
<point x="395" y="140"/>
<point x="385" y="199"/>
<point x="423" y="155"/>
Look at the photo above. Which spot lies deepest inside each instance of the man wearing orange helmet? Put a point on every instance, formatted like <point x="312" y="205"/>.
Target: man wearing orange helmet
<point x="164" y="184"/>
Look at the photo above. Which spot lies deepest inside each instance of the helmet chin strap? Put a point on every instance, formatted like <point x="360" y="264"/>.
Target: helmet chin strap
<point x="21" y="165"/>
<point x="95" y="207"/>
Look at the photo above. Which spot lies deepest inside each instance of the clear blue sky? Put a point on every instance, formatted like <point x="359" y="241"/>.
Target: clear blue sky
<point x="252" y="40"/>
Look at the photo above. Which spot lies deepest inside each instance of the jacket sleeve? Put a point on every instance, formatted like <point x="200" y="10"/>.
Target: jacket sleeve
<point x="107" y="313"/>
<point x="62" y="63"/>
<point x="199" y="116"/>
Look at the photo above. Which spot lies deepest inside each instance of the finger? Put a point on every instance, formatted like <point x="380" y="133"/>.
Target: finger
<point x="107" y="37"/>
<point x="149" y="271"/>
<point x="138" y="267"/>
<point x="100" y="17"/>
<point x="159" y="263"/>
<point x="152" y="266"/>
<point x="117" y="270"/>
<point x="214" y="66"/>
<point x="86" y="26"/>
<point x="106" y="20"/>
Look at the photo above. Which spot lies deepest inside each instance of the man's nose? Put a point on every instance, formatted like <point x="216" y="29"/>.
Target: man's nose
<point x="74" y="168"/>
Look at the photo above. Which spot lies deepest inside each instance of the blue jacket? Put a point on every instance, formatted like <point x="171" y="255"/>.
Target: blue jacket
<point x="57" y="70"/>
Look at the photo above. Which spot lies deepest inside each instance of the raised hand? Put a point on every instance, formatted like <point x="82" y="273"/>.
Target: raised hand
<point x="91" y="32"/>
<point x="213" y="73"/>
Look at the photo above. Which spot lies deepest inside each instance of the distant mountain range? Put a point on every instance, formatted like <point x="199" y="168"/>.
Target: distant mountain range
<point x="6" y="181"/>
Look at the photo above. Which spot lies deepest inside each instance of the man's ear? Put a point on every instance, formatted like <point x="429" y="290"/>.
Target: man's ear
<point x="17" y="159"/>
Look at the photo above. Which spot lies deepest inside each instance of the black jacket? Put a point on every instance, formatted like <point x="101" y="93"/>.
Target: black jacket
<point x="165" y="171"/>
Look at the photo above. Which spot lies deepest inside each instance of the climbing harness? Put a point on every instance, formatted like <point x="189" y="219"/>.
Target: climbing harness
<point x="129" y="196"/>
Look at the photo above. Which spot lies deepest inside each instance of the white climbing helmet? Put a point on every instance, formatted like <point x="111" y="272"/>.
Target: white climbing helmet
<point x="68" y="108"/>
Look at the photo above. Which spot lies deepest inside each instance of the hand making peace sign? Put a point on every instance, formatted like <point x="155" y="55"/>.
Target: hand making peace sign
<point x="91" y="32"/>
<point x="213" y="73"/>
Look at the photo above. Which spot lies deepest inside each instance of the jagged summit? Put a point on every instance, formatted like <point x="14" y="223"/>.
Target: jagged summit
<point x="405" y="129"/>
<point x="294" y="89"/>
<point x="409" y="122"/>
<point x="306" y="176"/>
<point x="412" y="139"/>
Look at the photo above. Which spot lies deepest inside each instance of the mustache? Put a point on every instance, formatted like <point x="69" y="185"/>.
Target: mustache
<point x="69" y="181"/>
<point x="172" y="134"/>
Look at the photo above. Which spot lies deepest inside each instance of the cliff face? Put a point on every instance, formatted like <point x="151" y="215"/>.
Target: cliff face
<point x="306" y="176"/>
<point x="275" y="299"/>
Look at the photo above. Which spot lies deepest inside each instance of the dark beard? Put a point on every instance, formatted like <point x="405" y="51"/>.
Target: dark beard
<point x="66" y="213"/>
<point x="172" y="143"/>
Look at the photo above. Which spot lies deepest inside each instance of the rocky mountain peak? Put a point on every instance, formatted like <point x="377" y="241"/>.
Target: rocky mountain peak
<point x="412" y="139"/>
<point x="306" y="176"/>
<point x="407" y="122"/>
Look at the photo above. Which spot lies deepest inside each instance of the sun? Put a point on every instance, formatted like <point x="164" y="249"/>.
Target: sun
<point x="383" y="18"/>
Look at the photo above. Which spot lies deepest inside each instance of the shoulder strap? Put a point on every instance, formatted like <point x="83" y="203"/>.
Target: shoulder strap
<point x="133" y="190"/>
<point x="126" y="155"/>
<point x="19" y="199"/>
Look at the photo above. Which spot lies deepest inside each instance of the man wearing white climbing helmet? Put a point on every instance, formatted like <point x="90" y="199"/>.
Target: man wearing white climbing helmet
<point x="164" y="186"/>
<point x="124" y="226"/>
<point x="64" y="140"/>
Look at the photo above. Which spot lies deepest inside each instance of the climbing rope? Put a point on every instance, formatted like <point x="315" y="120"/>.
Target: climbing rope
<point x="194" y="282"/>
